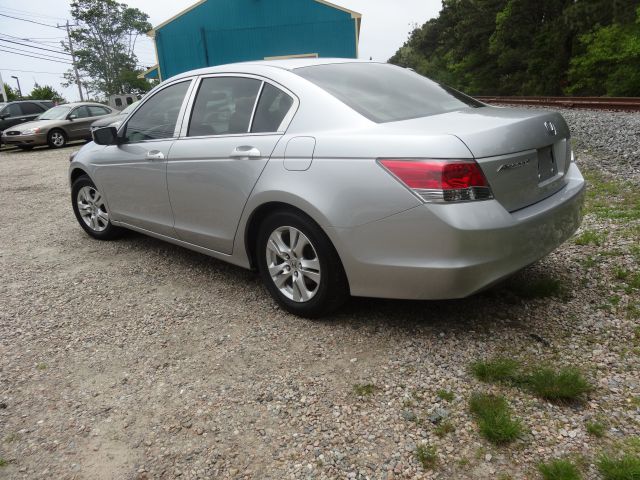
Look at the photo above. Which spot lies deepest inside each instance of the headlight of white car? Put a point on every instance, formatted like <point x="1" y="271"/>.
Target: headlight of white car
<point x="30" y="131"/>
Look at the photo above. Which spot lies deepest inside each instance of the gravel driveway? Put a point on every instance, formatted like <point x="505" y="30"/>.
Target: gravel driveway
<point x="139" y="359"/>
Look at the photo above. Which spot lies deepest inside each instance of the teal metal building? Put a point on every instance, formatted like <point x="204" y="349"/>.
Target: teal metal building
<point x="215" y="32"/>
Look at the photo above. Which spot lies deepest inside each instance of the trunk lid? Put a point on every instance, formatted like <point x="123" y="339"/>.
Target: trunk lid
<point x="524" y="154"/>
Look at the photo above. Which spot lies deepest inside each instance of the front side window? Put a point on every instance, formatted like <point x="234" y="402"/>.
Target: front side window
<point x="13" y="110"/>
<point x="223" y="106"/>
<point x="80" y="112"/>
<point x="272" y="107"/>
<point x="386" y="93"/>
<point x="157" y="117"/>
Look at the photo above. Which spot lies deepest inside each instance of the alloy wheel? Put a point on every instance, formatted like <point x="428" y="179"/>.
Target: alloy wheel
<point x="92" y="209"/>
<point x="57" y="139"/>
<point x="293" y="264"/>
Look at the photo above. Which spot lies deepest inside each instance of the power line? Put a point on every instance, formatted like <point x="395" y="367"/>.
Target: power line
<point x="43" y="55"/>
<point x="60" y="52"/>
<point x="30" y="71"/>
<point x="25" y="20"/>
<point x="33" y="56"/>
<point x="32" y="39"/>
<point x="31" y="14"/>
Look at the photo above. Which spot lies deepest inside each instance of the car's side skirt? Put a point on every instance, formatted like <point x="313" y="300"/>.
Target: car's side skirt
<point x="240" y="262"/>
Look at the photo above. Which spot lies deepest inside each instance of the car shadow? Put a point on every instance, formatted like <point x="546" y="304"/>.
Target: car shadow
<point x="497" y="303"/>
<point x="13" y="149"/>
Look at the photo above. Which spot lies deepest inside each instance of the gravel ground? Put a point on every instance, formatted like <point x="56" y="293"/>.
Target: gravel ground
<point x="612" y="137"/>
<point x="139" y="359"/>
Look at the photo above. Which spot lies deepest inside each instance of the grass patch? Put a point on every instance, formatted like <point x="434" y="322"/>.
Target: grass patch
<point x="495" y="370"/>
<point x="621" y="273"/>
<point x="610" y="199"/>
<point x="364" y="390"/>
<point x="559" y="470"/>
<point x="41" y="366"/>
<point x="446" y="395"/>
<point x="597" y="429"/>
<point x="444" y="428"/>
<point x="626" y="467"/>
<point x="565" y="385"/>
<point x="494" y="418"/>
<point x="589" y="237"/>
<point x="427" y="456"/>
<point x="3" y="462"/>
<point x="633" y="282"/>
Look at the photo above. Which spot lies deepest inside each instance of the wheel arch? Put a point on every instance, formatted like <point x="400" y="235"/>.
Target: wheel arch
<point x="76" y="173"/>
<point x="260" y="212"/>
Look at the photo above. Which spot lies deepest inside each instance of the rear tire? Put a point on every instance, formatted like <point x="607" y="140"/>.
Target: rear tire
<point x="56" y="138"/>
<point x="90" y="209"/>
<point x="299" y="266"/>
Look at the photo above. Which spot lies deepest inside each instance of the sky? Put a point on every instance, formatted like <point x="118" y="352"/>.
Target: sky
<point x="386" y="25"/>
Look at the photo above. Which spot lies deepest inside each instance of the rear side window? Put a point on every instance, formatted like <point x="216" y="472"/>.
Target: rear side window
<point x="157" y="117"/>
<point x="223" y="106"/>
<point x="118" y="102"/>
<point x="386" y="93"/>
<point x="273" y="106"/>
<point x="31" y="109"/>
<point x="97" y="111"/>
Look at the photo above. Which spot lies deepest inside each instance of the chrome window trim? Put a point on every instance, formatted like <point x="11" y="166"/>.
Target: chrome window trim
<point x="255" y="106"/>
<point x="284" y="125"/>
<point x="181" y="112"/>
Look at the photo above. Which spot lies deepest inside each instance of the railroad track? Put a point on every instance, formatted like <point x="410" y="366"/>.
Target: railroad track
<point x="594" y="103"/>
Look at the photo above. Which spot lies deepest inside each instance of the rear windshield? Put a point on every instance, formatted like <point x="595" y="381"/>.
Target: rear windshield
<point x="386" y="93"/>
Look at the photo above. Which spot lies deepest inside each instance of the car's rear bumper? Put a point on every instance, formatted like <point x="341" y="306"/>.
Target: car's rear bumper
<point x="452" y="251"/>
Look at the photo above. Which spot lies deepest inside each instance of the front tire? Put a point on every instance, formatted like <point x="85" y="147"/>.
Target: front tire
<point x="91" y="210"/>
<point x="56" y="139"/>
<point x="299" y="265"/>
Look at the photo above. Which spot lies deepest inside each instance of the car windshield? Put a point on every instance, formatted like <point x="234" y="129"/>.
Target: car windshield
<point x="56" y="113"/>
<point x="386" y="93"/>
<point x="128" y="110"/>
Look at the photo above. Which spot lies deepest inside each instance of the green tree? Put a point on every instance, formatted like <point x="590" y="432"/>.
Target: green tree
<point x="529" y="47"/>
<point x="133" y="84"/>
<point x="610" y="62"/>
<point x="12" y="94"/>
<point x="45" y="92"/>
<point x="104" y="43"/>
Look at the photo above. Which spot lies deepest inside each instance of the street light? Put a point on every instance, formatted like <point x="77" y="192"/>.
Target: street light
<point x="19" y="89"/>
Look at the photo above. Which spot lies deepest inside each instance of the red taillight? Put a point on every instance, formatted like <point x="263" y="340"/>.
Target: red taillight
<point x="441" y="180"/>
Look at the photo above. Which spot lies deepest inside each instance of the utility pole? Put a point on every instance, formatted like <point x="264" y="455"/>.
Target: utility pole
<point x="3" y="91"/>
<point x="19" y="89"/>
<point x="73" y="59"/>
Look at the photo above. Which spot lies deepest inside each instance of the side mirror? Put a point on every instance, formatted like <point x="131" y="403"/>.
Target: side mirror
<point x="105" y="136"/>
<point x="3" y="116"/>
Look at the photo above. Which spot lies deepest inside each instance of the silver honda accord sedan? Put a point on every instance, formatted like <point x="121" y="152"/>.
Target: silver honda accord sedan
<point x="335" y="177"/>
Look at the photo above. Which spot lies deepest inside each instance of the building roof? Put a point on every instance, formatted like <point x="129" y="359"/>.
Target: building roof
<point x="151" y="32"/>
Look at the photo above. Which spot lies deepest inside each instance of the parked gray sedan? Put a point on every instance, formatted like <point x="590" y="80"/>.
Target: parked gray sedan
<point x="57" y="126"/>
<point x="334" y="178"/>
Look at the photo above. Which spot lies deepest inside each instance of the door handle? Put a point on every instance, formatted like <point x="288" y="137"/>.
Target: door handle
<point x="245" y="151"/>
<point x="155" y="155"/>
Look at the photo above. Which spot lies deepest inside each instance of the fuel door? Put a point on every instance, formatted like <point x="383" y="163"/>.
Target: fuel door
<point x="299" y="153"/>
